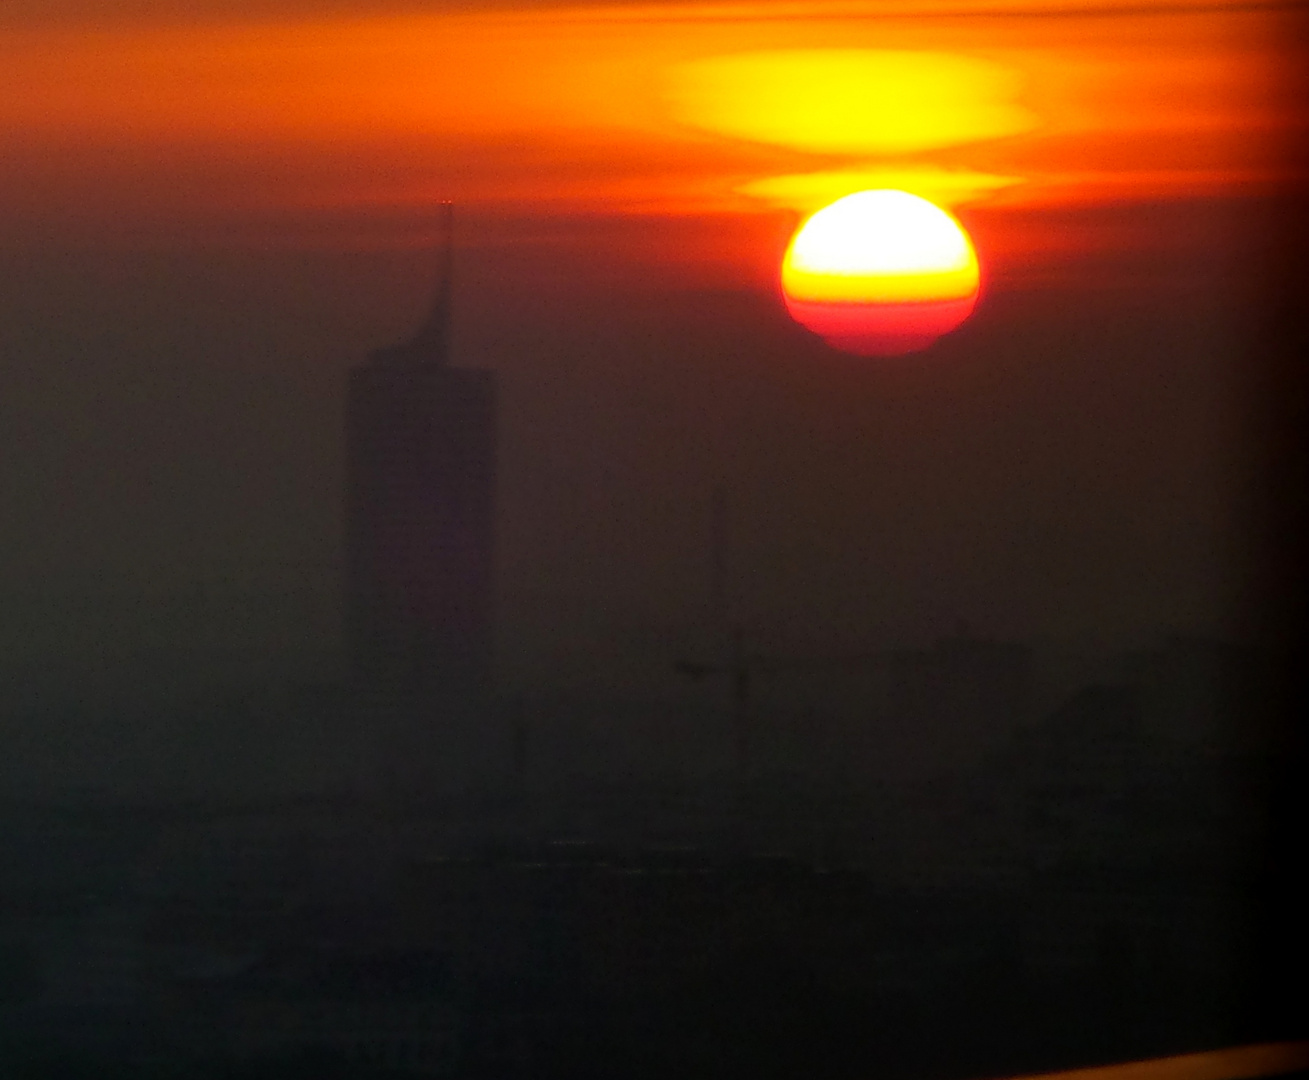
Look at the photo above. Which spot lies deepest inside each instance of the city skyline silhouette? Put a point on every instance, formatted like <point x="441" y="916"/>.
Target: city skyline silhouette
<point x="456" y="622"/>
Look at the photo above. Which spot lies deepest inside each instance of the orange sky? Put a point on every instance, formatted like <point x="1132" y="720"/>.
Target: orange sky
<point x="1062" y="463"/>
<point x="358" y="117"/>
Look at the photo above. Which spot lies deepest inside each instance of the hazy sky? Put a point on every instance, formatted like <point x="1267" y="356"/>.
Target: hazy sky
<point x="211" y="214"/>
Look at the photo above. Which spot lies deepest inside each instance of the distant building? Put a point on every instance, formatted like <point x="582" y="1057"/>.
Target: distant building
<point x="1130" y="845"/>
<point x="1200" y="692"/>
<point x="420" y="448"/>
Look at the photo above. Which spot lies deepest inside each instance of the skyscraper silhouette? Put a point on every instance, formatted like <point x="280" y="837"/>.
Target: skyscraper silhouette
<point x="420" y="444"/>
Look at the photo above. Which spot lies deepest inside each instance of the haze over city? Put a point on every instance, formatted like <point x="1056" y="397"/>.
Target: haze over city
<point x="712" y="538"/>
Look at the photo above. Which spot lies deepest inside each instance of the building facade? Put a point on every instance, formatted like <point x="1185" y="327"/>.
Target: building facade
<point x="420" y="446"/>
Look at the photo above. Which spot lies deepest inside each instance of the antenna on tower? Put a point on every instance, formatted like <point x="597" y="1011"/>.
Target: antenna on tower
<point x="445" y="288"/>
<point x="431" y="344"/>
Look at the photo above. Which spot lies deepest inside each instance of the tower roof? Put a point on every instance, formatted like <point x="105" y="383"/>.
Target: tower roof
<point x="430" y="345"/>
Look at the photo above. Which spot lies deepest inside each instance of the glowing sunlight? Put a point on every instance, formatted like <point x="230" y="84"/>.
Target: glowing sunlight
<point x="880" y="273"/>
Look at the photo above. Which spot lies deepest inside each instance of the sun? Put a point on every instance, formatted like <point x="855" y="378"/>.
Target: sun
<point x="880" y="273"/>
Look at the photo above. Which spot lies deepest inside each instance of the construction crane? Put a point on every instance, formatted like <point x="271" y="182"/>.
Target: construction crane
<point x="741" y="666"/>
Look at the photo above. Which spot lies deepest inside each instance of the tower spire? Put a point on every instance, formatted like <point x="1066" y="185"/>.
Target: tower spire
<point x="430" y="345"/>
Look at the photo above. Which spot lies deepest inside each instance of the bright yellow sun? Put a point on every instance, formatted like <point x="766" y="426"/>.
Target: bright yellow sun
<point x="880" y="273"/>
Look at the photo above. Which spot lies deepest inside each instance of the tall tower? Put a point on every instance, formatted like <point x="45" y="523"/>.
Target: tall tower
<point x="420" y="448"/>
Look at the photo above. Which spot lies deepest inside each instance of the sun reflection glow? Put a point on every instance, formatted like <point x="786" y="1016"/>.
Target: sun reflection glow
<point x="807" y="192"/>
<point x="869" y="101"/>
